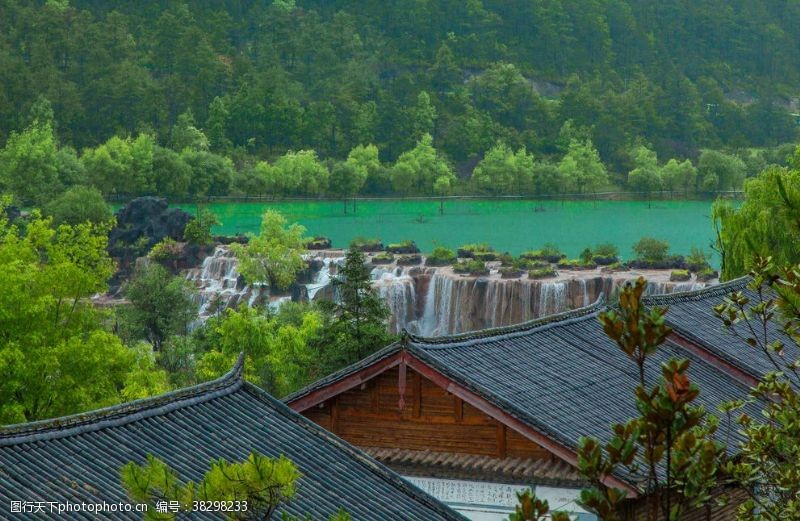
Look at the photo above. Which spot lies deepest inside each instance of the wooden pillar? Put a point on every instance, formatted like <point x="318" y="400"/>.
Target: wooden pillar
<point x="401" y="386"/>
<point x="417" y="395"/>
<point x="334" y="415"/>
<point x="502" y="449"/>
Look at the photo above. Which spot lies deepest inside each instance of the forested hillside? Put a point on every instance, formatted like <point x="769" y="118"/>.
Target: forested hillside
<point x="255" y="79"/>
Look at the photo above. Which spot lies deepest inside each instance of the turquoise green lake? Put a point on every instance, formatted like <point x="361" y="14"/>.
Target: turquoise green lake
<point x="513" y="226"/>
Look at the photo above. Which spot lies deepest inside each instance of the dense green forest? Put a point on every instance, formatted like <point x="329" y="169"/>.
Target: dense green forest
<point x="186" y="98"/>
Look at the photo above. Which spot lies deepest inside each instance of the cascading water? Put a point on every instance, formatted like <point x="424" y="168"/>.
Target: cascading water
<point x="398" y="289"/>
<point x="426" y="301"/>
<point x="219" y="285"/>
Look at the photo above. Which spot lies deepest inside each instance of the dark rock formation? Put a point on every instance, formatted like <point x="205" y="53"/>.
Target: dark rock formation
<point x="141" y="224"/>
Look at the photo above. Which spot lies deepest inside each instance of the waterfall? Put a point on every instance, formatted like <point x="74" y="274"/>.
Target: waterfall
<point x="437" y="314"/>
<point x="398" y="289"/>
<point x="218" y="284"/>
<point x="552" y="298"/>
<point x="323" y="277"/>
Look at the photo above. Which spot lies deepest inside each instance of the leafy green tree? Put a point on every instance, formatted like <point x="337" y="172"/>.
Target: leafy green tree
<point x="646" y="176"/>
<point x="720" y="171"/>
<point x="198" y="230"/>
<point x="185" y="135"/>
<point x="679" y="176"/>
<point x="55" y="356"/>
<point x="766" y="224"/>
<point x="217" y="125"/>
<point x="275" y="255"/>
<point x="161" y="305"/>
<point x="419" y="168"/>
<point x="279" y="353"/>
<point x="29" y="165"/>
<point x="581" y="168"/>
<point x="264" y="483"/>
<point x="121" y="166"/>
<point x="212" y="174"/>
<point x="358" y="317"/>
<point x="79" y="204"/>
<point x="347" y="180"/>
<point x="302" y="172"/>
<point x="650" y="249"/>
<point x="502" y="171"/>
<point x="365" y="161"/>
<point x="171" y="174"/>
<point x="768" y="458"/>
<point x="442" y="187"/>
<point x="672" y="433"/>
<point x="422" y="116"/>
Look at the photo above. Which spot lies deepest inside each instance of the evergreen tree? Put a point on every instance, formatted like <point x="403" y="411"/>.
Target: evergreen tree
<point x="357" y="318"/>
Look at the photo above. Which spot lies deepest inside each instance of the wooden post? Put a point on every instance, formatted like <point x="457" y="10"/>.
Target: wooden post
<point x="502" y="448"/>
<point x="401" y="386"/>
<point x="417" y="395"/>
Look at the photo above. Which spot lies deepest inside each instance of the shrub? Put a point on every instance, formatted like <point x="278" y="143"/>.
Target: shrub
<point x="383" y="258"/>
<point x="409" y="260"/>
<point x="549" y="253"/>
<point x="510" y="272"/>
<point x="605" y="254"/>
<point x="441" y="256"/>
<point x="473" y="267"/>
<point x="543" y="273"/>
<point x="606" y="250"/>
<point x="651" y="250"/>
<point x="586" y="256"/>
<point x="166" y="250"/>
<point x="530" y="264"/>
<point x="707" y="274"/>
<point x="615" y="266"/>
<point x="506" y="259"/>
<point x="697" y="260"/>
<point x="366" y="245"/>
<point x="403" y="247"/>
<point x="78" y="205"/>
<point x="319" y="243"/>
<point x="198" y="230"/>
<point x="679" y="276"/>
<point x="469" y="250"/>
<point x="576" y="264"/>
<point x="485" y="255"/>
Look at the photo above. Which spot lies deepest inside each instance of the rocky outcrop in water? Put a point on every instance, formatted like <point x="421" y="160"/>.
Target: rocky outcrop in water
<point x="141" y="224"/>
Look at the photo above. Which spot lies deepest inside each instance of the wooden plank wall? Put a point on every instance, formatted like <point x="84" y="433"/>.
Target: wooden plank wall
<point x="432" y="419"/>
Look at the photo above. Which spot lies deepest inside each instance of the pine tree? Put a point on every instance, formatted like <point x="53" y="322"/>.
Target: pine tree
<point x="357" y="317"/>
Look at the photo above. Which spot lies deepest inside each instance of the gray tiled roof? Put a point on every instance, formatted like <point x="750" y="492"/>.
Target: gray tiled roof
<point x="78" y="458"/>
<point x="560" y="375"/>
<point x="691" y="315"/>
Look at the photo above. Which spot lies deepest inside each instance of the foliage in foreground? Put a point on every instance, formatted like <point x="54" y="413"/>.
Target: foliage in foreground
<point x="259" y="486"/>
<point x="768" y="462"/>
<point x="766" y="224"/>
<point x="56" y="358"/>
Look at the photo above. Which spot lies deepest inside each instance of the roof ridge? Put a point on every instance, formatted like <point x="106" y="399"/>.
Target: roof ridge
<point x="360" y="456"/>
<point x="122" y="413"/>
<point x="547" y="321"/>
<point x="710" y="291"/>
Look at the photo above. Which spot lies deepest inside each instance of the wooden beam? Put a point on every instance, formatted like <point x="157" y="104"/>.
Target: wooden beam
<point x="345" y="384"/>
<point x="458" y="408"/>
<point x="417" y="395"/>
<point x="502" y="445"/>
<point x="401" y="385"/>
<point x="558" y="449"/>
<point x="700" y="352"/>
<point x="335" y="414"/>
